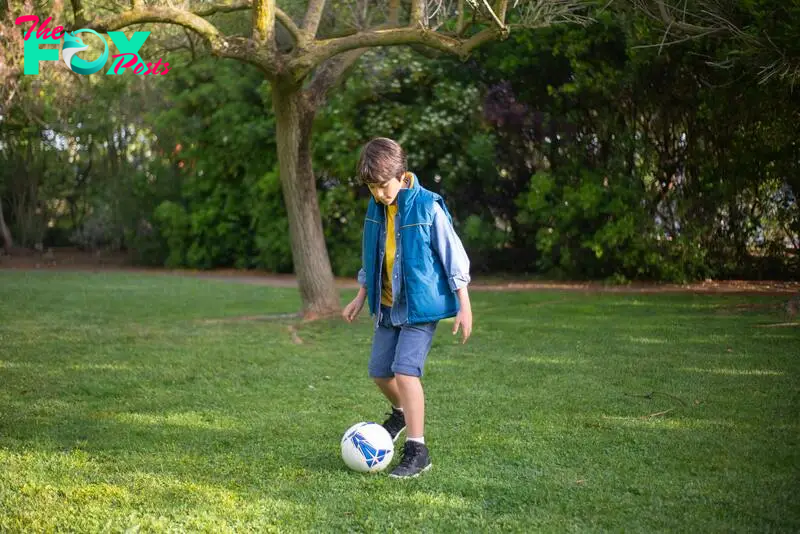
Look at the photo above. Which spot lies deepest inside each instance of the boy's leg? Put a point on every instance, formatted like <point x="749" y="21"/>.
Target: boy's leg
<point x="388" y="387"/>
<point x="396" y="422"/>
<point x="413" y="345"/>
<point x="384" y="345"/>
<point x="412" y="399"/>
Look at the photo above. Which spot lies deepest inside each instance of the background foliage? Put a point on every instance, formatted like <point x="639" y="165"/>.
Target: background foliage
<point x="580" y="152"/>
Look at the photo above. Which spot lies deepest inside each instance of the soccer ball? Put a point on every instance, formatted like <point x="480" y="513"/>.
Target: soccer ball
<point x="367" y="447"/>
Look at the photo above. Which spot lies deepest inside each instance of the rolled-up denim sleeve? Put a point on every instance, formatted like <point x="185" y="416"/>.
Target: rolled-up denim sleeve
<point x="362" y="278"/>
<point x="447" y="246"/>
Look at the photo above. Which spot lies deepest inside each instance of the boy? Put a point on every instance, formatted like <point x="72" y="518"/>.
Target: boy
<point x="414" y="273"/>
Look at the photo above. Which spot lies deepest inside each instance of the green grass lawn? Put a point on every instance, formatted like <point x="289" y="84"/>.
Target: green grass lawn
<point x="133" y="402"/>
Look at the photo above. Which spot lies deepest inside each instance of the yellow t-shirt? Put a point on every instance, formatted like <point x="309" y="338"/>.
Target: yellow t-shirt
<point x="391" y="249"/>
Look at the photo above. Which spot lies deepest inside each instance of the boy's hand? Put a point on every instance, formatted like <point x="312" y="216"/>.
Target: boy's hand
<point x="464" y="317"/>
<point x="351" y="311"/>
<point x="464" y="320"/>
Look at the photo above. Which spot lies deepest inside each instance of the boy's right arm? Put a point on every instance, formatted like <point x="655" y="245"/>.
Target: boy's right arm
<point x="352" y="310"/>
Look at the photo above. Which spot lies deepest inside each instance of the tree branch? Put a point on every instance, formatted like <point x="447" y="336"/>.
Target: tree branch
<point x="264" y="21"/>
<point x="541" y="13"/>
<point x="495" y="18"/>
<point x="483" y="36"/>
<point x="313" y="16"/>
<point x="328" y="48"/>
<point x="330" y="74"/>
<point x="242" y="5"/>
<point x="236" y="48"/>
<point x="291" y="27"/>
<point x="460" y="20"/>
<point x="78" y="12"/>
<point x="418" y="13"/>
<point x="394" y="12"/>
<point x="190" y="38"/>
<point x="174" y="45"/>
<point x="664" y="42"/>
<point x="666" y="17"/>
<point x="322" y="50"/>
<point x="206" y="10"/>
<point x="502" y="8"/>
<point x="159" y="14"/>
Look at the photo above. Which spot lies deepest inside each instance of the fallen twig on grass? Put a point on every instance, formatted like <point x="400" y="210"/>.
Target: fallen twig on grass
<point x="657" y="414"/>
<point x="269" y="317"/>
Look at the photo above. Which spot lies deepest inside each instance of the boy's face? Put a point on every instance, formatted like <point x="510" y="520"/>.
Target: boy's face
<point x="386" y="192"/>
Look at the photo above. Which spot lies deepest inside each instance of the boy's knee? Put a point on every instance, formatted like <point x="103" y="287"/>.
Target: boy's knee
<point x="406" y="377"/>
<point x="382" y="380"/>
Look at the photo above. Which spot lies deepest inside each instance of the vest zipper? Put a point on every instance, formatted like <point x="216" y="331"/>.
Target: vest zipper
<point x="405" y="271"/>
<point x="379" y="293"/>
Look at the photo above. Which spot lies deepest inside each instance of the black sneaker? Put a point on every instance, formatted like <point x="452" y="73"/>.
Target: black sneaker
<point x="395" y="424"/>
<point x="415" y="461"/>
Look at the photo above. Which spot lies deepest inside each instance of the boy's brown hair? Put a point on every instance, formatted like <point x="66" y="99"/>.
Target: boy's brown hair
<point x="382" y="159"/>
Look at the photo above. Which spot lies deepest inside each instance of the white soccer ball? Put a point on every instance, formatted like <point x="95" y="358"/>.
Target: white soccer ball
<point x="367" y="447"/>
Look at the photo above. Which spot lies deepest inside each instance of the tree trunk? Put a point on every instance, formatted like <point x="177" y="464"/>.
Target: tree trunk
<point x="8" y="243"/>
<point x="294" y="118"/>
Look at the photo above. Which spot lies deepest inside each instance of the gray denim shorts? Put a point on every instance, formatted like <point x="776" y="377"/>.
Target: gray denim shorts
<point x="399" y="349"/>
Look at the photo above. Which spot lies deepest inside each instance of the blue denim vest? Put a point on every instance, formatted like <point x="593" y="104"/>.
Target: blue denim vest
<point x="426" y="290"/>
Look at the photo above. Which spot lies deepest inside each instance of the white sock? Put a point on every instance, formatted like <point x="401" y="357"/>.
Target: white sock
<point x="420" y="440"/>
<point x="396" y="408"/>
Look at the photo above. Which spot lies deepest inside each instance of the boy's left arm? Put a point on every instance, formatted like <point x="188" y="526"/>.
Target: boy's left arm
<point x="448" y="247"/>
